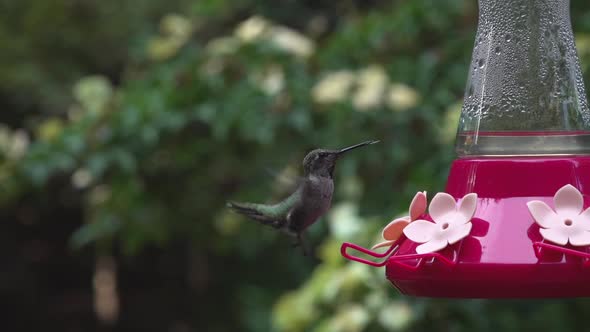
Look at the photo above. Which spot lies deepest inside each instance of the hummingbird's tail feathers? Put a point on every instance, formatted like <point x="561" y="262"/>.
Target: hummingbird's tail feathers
<point x="253" y="211"/>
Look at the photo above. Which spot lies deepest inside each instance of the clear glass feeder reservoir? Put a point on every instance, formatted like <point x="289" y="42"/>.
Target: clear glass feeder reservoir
<point x="524" y="133"/>
<point x="525" y="94"/>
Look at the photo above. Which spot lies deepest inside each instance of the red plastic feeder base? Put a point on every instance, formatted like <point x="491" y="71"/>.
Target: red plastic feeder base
<point x="504" y="256"/>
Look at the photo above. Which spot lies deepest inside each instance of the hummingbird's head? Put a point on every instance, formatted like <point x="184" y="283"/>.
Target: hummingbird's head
<point x="321" y="162"/>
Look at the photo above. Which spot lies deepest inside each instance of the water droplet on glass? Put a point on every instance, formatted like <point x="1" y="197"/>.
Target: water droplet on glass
<point x="497" y="50"/>
<point x="508" y="37"/>
<point x="481" y="63"/>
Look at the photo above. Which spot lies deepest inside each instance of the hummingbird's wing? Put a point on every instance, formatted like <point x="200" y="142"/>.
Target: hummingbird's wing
<point x="285" y="181"/>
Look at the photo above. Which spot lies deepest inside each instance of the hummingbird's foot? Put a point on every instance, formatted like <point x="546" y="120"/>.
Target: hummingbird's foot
<point x="301" y="243"/>
<point x="306" y="250"/>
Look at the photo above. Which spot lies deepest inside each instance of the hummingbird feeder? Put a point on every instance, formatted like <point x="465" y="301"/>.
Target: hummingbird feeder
<point x="515" y="219"/>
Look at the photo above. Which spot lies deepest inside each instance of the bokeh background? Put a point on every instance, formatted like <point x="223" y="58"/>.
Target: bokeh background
<point x="126" y="125"/>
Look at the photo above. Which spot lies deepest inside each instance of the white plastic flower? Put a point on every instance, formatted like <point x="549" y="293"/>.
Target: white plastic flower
<point x="451" y="223"/>
<point x="394" y="229"/>
<point x="568" y="223"/>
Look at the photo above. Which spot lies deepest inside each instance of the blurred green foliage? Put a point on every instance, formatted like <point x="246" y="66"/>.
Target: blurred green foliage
<point x="46" y="46"/>
<point x="155" y="124"/>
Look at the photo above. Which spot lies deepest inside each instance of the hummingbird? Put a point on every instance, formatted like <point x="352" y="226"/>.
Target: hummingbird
<point x="310" y="201"/>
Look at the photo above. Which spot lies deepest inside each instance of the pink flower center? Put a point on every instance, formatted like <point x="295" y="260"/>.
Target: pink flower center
<point x="445" y="225"/>
<point x="568" y="222"/>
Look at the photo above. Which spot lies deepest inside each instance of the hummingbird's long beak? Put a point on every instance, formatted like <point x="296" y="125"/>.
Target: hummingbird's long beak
<point x="356" y="146"/>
